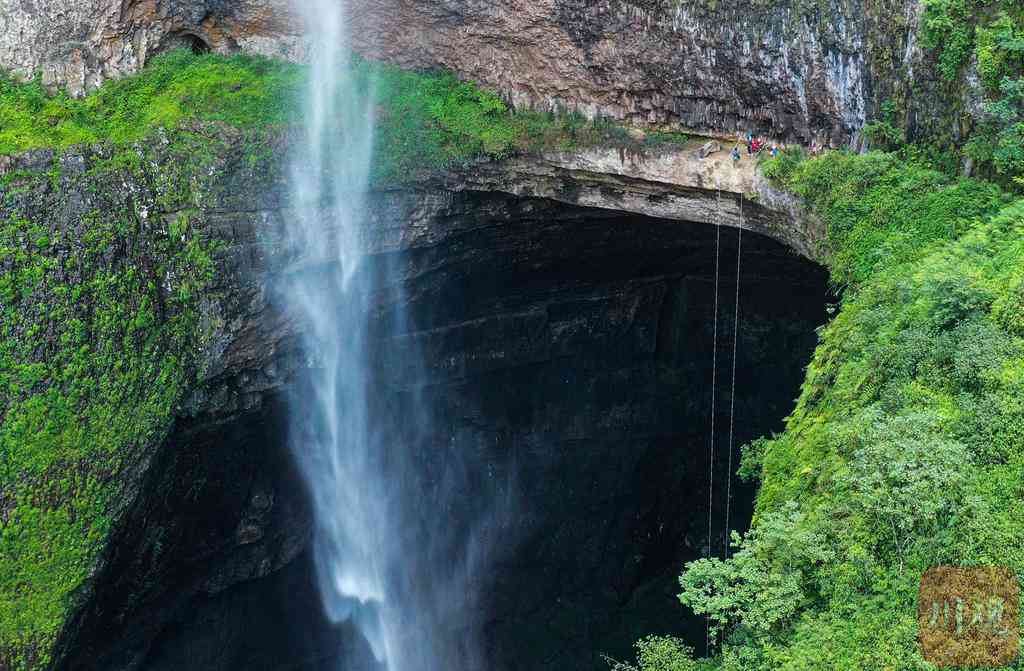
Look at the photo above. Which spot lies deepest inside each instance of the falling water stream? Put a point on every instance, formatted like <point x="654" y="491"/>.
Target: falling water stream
<point x="391" y="561"/>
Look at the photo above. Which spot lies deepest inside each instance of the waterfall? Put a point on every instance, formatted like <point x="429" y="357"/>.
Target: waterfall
<point x="393" y="560"/>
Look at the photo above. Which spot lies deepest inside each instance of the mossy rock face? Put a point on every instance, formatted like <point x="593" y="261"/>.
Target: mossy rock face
<point x="107" y="305"/>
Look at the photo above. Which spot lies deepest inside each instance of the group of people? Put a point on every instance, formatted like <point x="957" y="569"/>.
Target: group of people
<point x="755" y="146"/>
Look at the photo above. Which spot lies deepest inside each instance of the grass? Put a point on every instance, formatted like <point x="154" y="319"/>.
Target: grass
<point x="425" y="121"/>
<point x="177" y="87"/>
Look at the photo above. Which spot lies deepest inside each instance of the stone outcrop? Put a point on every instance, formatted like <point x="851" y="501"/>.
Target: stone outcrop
<point x="254" y="353"/>
<point x="79" y="44"/>
<point x="675" y="184"/>
<point x="783" y="68"/>
<point x="793" y="70"/>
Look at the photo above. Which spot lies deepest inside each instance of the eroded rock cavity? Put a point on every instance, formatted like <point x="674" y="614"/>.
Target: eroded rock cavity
<point x="570" y="353"/>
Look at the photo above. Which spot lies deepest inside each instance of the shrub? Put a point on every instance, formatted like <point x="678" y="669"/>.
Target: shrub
<point x="906" y="482"/>
<point x="659" y="653"/>
<point x="885" y="132"/>
<point x="948" y="26"/>
<point x="765" y="583"/>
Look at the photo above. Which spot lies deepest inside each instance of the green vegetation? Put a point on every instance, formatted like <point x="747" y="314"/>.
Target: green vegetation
<point x="425" y="121"/>
<point x="885" y="132"/>
<point x="992" y="31"/>
<point x="431" y="121"/>
<point x="175" y="88"/>
<point x="880" y="210"/>
<point x="948" y="26"/>
<point x="659" y="653"/>
<point x="906" y="448"/>
<point x="100" y="327"/>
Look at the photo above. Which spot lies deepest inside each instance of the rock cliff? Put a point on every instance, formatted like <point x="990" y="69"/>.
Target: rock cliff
<point x="796" y="70"/>
<point x="80" y="44"/>
<point x="563" y="299"/>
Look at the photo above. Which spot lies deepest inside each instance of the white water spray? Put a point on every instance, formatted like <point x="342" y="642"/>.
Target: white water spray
<point x="390" y="558"/>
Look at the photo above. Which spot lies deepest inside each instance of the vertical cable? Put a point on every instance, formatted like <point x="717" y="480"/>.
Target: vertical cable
<point x="714" y="381"/>
<point x="732" y="402"/>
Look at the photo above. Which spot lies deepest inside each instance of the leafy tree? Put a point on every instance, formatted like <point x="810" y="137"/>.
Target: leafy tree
<point x="659" y="653"/>
<point x="765" y="583"/>
<point x="906" y="481"/>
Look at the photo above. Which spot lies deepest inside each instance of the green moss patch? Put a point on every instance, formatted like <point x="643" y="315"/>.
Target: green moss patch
<point x="98" y="341"/>
<point x="174" y="88"/>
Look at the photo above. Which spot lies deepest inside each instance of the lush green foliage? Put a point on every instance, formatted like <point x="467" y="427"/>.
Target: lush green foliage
<point x="881" y="210"/>
<point x="174" y="88"/>
<point x="434" y="121"/>
<point x="906" y="448"/>
<point x="425" y="121"/>
<point x="885" y="132"/>
<point x="948" y="25"/>
<point x="993" y="32"/>
<point x="659" y="653"/>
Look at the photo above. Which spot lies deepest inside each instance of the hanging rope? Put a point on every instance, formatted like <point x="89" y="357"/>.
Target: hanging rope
<point x="714" y="381"/>
<point x="732" y="401"/>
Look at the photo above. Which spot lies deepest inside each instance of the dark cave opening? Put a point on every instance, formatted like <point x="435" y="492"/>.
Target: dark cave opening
<point x="183" y="40"/>
<point x="197" y="44"/>
<point x="573" y="347"/>
<point x="567" y="347"/>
